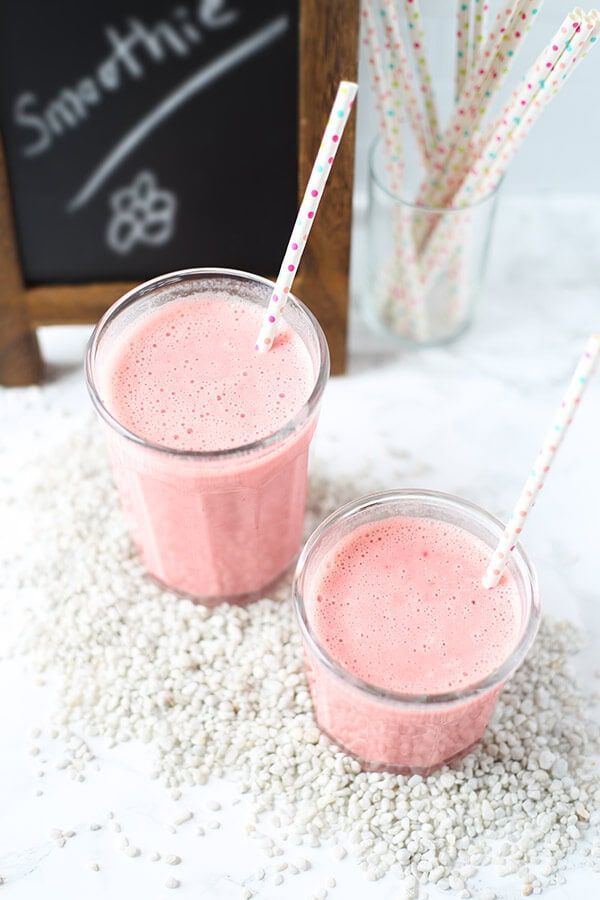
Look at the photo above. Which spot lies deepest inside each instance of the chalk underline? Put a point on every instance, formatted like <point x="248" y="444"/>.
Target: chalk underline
<point x="208" y="74"/>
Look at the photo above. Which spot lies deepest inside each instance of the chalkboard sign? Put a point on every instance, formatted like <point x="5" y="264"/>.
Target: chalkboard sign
<point x="150" y="135"/>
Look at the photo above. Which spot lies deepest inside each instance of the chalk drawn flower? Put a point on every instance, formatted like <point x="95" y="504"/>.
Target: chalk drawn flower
<point x="142" y="213"/>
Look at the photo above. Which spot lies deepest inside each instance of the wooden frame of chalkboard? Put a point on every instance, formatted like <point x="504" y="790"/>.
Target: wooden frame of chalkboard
<point x="327" y="53"/>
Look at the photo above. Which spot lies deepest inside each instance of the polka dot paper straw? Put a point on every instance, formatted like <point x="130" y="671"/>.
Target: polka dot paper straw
<point x="459" y="145"/>
<point x="535" y="482"/>
<point x="463" y="42"/>
<point x="338" y="117"/>
<point x="478" y="29"/>
<point x="569" y="46"/>
<point x="416" y="32"/>
<point x="388" y="102"/>
<point x="402" y="74"/>
<point x="399" y="285"/>
<point x="506" y="134"/>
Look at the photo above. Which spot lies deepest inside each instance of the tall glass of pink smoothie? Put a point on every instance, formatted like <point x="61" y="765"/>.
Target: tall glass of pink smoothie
<point x="406" y="652"/>
<point x="209" y="439"/>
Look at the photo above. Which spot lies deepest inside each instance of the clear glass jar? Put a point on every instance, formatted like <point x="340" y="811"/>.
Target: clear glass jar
<point x="425" y="265"/>
<point x="215" y="525"/>
<point x="382" y="729"/>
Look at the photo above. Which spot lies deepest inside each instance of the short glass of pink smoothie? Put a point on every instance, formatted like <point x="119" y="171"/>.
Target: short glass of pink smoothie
<point x="406" y="652"/>
<point x="209" y="439"/>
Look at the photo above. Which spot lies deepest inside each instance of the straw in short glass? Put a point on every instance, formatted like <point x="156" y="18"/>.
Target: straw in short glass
<point x="579" y="382"/>
<point x="306" y="215"/>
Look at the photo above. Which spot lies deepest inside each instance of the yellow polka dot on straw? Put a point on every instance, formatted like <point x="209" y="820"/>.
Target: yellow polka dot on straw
<point x="330" y="141"/>
<point x="535" y="482"/>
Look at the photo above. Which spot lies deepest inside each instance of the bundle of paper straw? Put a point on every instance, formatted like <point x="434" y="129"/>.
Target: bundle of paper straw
<point x="464" y="160"/>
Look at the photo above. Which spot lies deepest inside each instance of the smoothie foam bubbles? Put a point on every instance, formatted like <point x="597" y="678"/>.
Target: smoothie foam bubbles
<point x="400" y="604"/>
<point x="187" y="376"/>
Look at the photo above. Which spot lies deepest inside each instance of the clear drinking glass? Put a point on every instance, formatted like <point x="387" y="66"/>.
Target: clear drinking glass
<point x="382" y="729"/>
<point x="426" y="265"/>
<point x="217" y="525"/>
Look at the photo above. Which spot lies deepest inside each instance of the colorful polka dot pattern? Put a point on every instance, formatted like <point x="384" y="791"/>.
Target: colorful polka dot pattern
<point x="535" y="482"/>
<point x="460" y="140"/>
<point x="403" y="274"/>
<point x="465" y="164"/>
<point x="388" y="102"/>
<point x="463" y="48"/>
<point x="338" y="117"/>
<point x="478" y="29"/>
<point x="416" y="32"/>
<point x="553" y="67"/>
<point x="401" y="78"/>
<point x="569" y="46"/>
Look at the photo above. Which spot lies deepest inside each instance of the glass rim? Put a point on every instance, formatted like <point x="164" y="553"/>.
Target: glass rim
<point x="175" y="277"/>
<point x="483" y="685"/>
<point x="419" y="207"/>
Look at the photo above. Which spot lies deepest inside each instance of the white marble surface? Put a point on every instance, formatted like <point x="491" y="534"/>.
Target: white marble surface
<point x="465" y="419"/>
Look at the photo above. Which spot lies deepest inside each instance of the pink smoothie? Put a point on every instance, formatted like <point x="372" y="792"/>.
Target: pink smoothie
<point x="187" y="376"/>
<point x="211" y="516"/>
<point x="398" y="603"/>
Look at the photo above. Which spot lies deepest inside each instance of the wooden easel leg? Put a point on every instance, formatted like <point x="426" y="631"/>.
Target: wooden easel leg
<point x="329" y="34"/>
<point x="20" y="359"/>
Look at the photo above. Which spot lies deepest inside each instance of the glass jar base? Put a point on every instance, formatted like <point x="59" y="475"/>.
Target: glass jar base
<point x="398" y="768"/>
<point x="406" y="341"/>
<point x="242" y="599"/>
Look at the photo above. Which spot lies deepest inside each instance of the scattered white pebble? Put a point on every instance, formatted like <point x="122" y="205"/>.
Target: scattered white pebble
<point x="154" y="856"/>
<point x="132" y="851"/>
<point x="224" y="690"/>
<point x="95" y="826"/>
<point x="183" y="817"/>
<point x="172" y="860"/>
<point x="94" y="866"/>
<point x="172" y="883"/>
